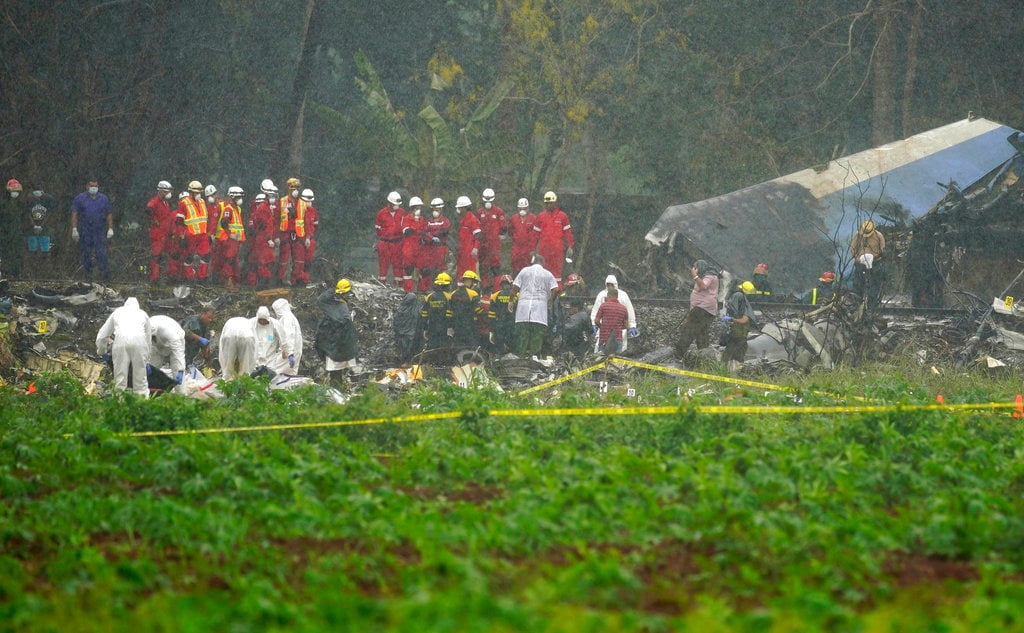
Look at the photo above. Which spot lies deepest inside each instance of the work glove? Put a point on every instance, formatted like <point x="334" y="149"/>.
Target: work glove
<point x="110" y="233"/>
<point x="568" y="252"/>
<point x="595" y="330"/>
<point x="554" y="329"/>
<point x="204" y="341"/>
<point x="451" y="332"/>
<point x="291" y="360"/>
<point x="435" y="240"/>
<point x="149" y="369"/>
<point x="473" y="252"/>
<point x="270" y="243"/>
<point x="37" y="229"/>
<point x="277" y="241"/>
<point x="490" y="338"/>
<point x="74" y="233"/>
<point x="179" y="377"/>
<point x="726" y="318"/>
<point x="633" y="333"/>
<point x="307" y="242"/>
<point x="107" y="358"/>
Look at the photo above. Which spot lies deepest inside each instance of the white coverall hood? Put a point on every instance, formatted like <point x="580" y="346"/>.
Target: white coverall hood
<point x="291" y="334"/>
<point x="263" y="312"/>
<point x="281" y="306"/>
<point x="610" y="279"/>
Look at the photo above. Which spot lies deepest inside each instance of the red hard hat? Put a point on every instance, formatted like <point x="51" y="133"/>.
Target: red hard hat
<point x="761" y="268"/>
<point x="573" y="279"/>
<point x="13" y="185"/>
<point x="828" y="275"/>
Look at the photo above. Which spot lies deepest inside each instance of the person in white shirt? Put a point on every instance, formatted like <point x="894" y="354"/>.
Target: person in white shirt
<point x="534" y="287"/>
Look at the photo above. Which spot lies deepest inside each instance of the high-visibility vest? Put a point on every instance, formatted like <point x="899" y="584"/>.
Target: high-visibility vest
<point x="300" y="217"/>
<point x="235" y="226"/>
<point x="195" y="216"/>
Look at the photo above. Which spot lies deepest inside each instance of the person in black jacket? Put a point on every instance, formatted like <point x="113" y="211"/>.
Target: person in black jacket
<point x="336" y="342"/>
<point x="407" y="328"/>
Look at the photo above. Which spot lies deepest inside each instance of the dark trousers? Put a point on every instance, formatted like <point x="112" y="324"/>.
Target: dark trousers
<point x="736" y="347"/>
<point x="92" y="238"/>
<point x="695" y="329"/>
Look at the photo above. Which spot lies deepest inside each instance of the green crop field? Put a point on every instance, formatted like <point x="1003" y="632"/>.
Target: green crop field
<point x="905" y="520"/>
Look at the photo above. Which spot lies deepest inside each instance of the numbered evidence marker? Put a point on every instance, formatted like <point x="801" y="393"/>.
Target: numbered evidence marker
<point x="630" y="392"/>
<point x="1008" y="302"/>
<point x="602" y="387"/>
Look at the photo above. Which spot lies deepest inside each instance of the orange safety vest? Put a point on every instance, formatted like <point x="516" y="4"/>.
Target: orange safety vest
<point x="300" y="218"/>
<point x="235" y="225"/>
<point x="195" y="216"/>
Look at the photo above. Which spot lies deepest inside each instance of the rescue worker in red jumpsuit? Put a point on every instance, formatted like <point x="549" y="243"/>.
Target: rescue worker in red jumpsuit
<point x="212" y="202"/>
<point x="469" y="237"/>
<point x="312" y="224"/>
<point x="553" y="226"/>
<point x="285" y="237"/>
<point x="229" y="233"/>
<point x="195" y="216"/>
<point x="524" y="238"/>
<point x="413" y="225"/>
<point x="161" y="225"/>
<point x="492" y="226"/>
<point x="261" y="236"/>
<point x="389" y="244"/>
<point x="303" y="229"/>
<point x="435" y="244"/>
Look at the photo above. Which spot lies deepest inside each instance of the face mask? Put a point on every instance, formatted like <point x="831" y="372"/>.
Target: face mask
<point x="15" y="194"/>
<point x="239" y="201"/>
<point x="522" y="212"/>
<point x="295" y="193"/>
<point x="38" y="194"/>
<point x="436" y="214"/>
<point x="210" y="199"/>
<point x="93" y="191"/>
<point x="167" y="196"/>
<point x="488" y="205"/>
<point x="272" y="199"/>
<point x="416" y="213"/>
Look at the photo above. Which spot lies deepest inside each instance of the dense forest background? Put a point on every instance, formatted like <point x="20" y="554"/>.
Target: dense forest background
<point x="622" y="106"/>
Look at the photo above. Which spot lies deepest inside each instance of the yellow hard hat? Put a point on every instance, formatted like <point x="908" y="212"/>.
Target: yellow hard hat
<point x="469" y="274"/>
<point x="443" y="279"/>
<point x="195" y="186"/>
<point x="550" y="197"/>
<point x="867" y="228"/>
<point x="747" y="287"/>
<point x="343" y="286"/>
<point x="293" y="183"/>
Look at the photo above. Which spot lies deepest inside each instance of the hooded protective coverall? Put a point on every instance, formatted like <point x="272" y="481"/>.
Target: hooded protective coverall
<point x="271" y="348"/>
<point x="129" y="326"/>
<point x="237" y="348"/>
<point x="291" y="331"/>
<point x="623" y="299"/>
<point x="167" y="344"/>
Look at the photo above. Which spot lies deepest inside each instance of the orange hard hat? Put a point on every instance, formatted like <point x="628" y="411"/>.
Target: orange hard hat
<point x="827" y="276"/>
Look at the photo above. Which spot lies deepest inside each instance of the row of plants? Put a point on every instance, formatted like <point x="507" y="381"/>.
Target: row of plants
<point x="880" y="521"/>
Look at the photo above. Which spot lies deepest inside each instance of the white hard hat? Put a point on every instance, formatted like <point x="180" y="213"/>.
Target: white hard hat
<point x="182" y="195"/>
<point x="463" y="201"/>
<point x="437" y="202"/>
<point x="267" y="185"/>
<point x="210" y="190"/>
<point x="163" y="185"/>
<point x="488" y="195"/>
<point x="523" y="203"/>
<point x="307" y="195"/>
<point x="260" y="197"/>
<point x="415" y="201"/>
<point x="395" y="198"/>
<point x="550" y="197"/>
<point x="235" y="192"/>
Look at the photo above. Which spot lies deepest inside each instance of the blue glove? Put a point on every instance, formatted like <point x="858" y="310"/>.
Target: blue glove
<point x="149" y="369"/>
<point x="595" y="330"/>
<point x="435" y="240"/>
<point x="727" y="318"/>
<point x="554" y="329"/>
<point x="291" y="360"/>
<point x="179" y="377"/>
<point x="107" y="358"/>
<point x="204" y="341"/>
<point x="632" y="332"/>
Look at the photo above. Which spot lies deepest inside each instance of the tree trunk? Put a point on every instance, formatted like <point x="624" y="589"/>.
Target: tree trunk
<point x="883" y="118"/>
<point x="911" y="71"/>
<point x="597" y="181"/>
<point x="288" y="157"/>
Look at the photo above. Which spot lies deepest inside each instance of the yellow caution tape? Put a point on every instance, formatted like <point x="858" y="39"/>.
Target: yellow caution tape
<point x="597" y="411"/>
<point x="559" y="381"/>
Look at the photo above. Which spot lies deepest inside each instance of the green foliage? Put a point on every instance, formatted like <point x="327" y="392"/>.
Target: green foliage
<point x="508" y="522"/>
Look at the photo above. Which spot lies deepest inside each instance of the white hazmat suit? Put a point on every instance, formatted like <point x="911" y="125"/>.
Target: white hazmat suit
<point x="291" y="331"/>
<point x="623" y="299"/>
<point x="237" y="348"/>
<point x="168" y="343"/>
<point x="130" y="329"/>
<point x="271" y="348"/>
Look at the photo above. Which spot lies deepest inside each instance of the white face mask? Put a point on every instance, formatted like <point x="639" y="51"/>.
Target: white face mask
<point x="295" y="193"/>
<point x="210" y="199"/>
<point x="522" y="212"/>
<point x="435" y="213"/>
<point x="416" y="213"/>
<point x="15" y="194"/>
<point x="272" y="199"/>
<point x="488" y="205"/>
<point x="167" y="195"/>
<point x="93" y="191"/>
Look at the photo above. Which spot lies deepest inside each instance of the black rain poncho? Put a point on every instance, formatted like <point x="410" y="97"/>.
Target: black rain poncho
<point x="335" y="334"/>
